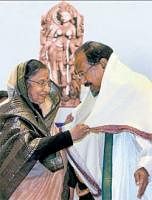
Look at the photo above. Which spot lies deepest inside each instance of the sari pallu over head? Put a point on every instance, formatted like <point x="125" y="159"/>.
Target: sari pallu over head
<point x="22" y="131"/>
<point x="124" y="103"/>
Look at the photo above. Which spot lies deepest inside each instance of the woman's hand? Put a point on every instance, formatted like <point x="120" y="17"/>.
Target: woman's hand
<point x="79" y="131"/>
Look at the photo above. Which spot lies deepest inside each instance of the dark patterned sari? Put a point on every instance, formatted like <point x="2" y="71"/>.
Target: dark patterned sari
<point x="25" y="137"/>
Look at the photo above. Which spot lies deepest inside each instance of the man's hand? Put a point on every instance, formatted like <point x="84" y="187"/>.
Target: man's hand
<point x="141" y="179"/>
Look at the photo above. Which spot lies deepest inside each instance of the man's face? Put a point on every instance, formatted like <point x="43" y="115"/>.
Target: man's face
<point x="87" y="74"/>
<point x="39" y="86"/>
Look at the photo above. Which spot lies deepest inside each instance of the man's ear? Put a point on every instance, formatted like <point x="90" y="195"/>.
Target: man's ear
<point x="103" y="62"/>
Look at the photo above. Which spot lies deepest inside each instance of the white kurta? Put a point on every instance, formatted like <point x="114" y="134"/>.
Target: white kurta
<point x="125" y="99"/>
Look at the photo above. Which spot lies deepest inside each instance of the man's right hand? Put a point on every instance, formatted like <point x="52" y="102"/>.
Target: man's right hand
<point x="79" y="131"/>
<point x="141" y="179"/>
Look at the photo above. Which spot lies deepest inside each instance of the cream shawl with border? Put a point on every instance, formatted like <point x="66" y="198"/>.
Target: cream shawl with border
<point x="124" y="104"/>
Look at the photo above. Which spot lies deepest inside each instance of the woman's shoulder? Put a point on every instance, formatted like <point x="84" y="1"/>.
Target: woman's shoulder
<point x="15" y="107"/>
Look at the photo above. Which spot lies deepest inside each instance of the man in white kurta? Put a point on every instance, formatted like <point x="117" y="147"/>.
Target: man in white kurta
<point x="115" y="159"/>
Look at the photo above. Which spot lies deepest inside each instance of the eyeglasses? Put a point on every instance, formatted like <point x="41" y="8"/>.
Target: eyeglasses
<point x="42" y="83"/>
<point x="80" y="75"/>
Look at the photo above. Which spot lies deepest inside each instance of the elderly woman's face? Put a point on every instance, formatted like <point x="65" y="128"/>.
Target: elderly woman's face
<point x="38" y="86"/>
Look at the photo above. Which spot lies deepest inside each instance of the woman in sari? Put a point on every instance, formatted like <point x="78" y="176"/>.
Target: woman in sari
<point x="27" y="148"/>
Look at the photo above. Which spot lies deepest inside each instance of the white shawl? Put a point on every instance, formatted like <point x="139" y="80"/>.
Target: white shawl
<point x="124" y="103"/>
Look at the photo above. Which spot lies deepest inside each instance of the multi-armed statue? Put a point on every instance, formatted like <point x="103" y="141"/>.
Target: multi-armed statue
<point x="61" y="34"/>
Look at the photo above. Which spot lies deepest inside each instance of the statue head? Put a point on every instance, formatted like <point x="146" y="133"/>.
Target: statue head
<point x="64" y="16"/>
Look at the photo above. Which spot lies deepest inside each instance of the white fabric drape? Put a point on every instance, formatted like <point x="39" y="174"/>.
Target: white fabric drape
<point x="125" y="99"/>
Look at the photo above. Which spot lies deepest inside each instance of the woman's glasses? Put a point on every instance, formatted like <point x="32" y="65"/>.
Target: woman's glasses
<point x="42" y="83"/>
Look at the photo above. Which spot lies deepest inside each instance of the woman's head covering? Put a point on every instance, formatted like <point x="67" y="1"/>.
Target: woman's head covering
<point x="17" y="80"/>
<point x="16" y="86"/>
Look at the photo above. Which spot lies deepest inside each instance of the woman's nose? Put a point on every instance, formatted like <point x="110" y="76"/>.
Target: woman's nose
<point x="46" y="88"/>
